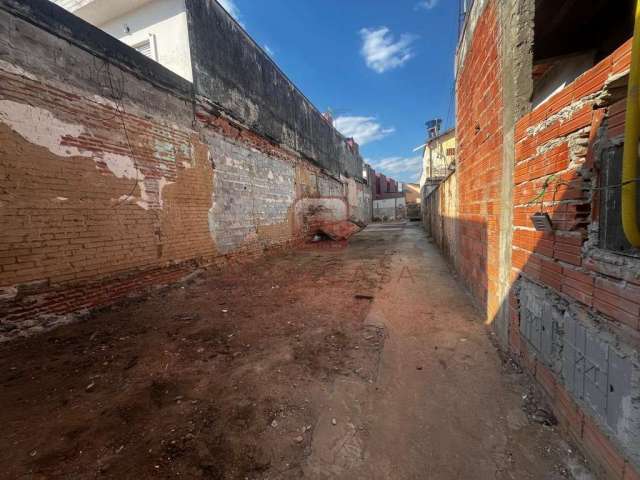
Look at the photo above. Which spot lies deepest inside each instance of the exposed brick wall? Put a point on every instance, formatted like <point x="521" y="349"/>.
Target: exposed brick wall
<point x="112" y="184"/>
<point x="573" y="307"/>
<point x="479" y="140"/>
<point x="554" y="145"/>
<point x="557" y="146"/>
<point x="74" y="188"/>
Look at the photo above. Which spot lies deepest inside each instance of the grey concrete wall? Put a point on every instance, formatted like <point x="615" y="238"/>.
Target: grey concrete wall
<point x="240" y="79"/>
<point x="102" y="46"/>
<point x="252" y="196"/>
<point x="359" y="195"/>
<point x="53" y="44"/>
<point x="516" y="50"/>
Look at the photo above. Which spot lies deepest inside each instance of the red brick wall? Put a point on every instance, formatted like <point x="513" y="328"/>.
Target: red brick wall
<point x="82" y="200"/>
<point x="555" y="143"/>
<point x="93" y="211"/>
<point x="558" y="149"/>
<point x="479" y="171"/>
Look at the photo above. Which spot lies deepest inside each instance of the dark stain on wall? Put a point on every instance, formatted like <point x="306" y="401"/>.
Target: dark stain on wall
<point x="233" y="73"/>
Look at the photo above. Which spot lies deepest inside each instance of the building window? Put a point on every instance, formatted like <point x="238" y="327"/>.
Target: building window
<point x="610" y="153"/>
<point x="612" y="235"/>
<point x="147" y="47"/>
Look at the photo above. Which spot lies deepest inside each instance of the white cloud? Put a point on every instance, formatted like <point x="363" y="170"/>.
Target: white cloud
<point x="406" y="169"/>
<point x="427" y="4"/>
<point x="382" y="52"/>
<point x="266" y="48"/>
<point x="363" y="129"/>
<point x="231" y="8"/>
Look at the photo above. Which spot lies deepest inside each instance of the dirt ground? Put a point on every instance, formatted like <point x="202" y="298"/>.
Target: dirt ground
<point x="330" y="361"/>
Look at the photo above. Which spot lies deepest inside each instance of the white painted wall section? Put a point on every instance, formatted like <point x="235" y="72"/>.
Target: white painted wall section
<point x="164" y="24"/>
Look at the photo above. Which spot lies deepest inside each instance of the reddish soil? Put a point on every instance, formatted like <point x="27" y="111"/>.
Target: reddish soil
<point x="358" y="361"/>
<point x="220" y="378"/>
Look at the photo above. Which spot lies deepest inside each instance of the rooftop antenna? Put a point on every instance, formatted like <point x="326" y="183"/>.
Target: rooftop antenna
<point x="433" y="127"/>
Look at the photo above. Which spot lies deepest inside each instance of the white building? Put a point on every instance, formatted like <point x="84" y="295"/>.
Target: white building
<point x="156" y="28"/>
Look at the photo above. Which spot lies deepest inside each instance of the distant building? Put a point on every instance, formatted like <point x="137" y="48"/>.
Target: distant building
<point x="412" y="192"/>
<point x="156" y="28"/>
<point x="388" y="200"/>
<point x="412" y="200"/>
<point x="438" y="160"/>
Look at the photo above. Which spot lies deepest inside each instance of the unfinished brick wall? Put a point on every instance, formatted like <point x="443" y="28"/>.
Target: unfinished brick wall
<point x="573" y="306"/>
<point x="114" y="181"/>
<point x="479" y="140"/>
<point x="575" y="319"/>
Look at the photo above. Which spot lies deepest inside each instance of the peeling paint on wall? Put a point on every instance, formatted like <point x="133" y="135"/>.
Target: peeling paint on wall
<point x="81" y="234"/>
<point x="40" y="127"/>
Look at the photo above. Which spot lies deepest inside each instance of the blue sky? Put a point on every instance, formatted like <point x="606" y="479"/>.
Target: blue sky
<point x="384" y="67"/>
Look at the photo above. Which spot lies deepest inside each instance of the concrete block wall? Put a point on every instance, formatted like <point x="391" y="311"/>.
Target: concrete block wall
<point x="116" y="179"/>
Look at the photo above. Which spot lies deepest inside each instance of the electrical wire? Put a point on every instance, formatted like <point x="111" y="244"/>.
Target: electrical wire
<point x="542" y="192"/>
<point x="450" y="105"/>
<point x="617" y="185"/>
<point x="547" y="184"/>
<point x="120" y="112"/>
